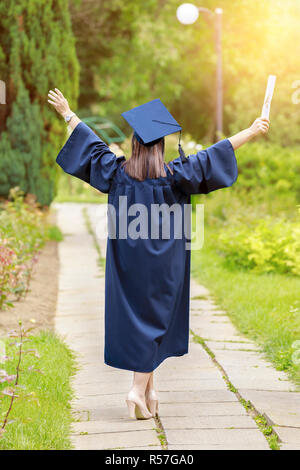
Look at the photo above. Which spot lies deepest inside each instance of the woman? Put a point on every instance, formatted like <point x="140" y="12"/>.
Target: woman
<point x="147" y="276"/>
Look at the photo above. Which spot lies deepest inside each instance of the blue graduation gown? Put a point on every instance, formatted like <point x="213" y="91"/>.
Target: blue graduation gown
<point x="147" y="282"/>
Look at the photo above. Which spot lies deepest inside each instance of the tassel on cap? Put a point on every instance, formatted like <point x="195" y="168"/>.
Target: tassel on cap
<point x="151" y="121"/>
<point x="181" y="151"/>
<point x="149" y="144"/>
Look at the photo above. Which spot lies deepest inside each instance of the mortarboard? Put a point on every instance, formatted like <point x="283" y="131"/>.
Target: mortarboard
<point x="152" y="121"/>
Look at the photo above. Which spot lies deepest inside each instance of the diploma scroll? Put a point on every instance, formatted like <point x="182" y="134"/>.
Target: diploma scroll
<point x="268" y="97"/>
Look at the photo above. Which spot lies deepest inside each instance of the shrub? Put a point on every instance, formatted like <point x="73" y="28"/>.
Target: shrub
<point x="23" y="231"/>
<point x="264" y="245"/>
<point x="33" y="61"/>
<point x="262" y="165"/>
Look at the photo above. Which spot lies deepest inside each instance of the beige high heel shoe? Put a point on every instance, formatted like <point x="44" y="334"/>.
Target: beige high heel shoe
<point x="134" y="408"/>
<point x="152" y="402"/>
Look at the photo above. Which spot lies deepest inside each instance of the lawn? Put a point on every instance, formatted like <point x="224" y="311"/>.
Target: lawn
<point x="251" y="254"/>
<point x="41" y="423"/>
<point x="264" y="307"/>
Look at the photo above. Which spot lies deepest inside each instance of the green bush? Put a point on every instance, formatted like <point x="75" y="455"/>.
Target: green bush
<point x="254" y="221"/>
<point x="264" y="245"/>
<point x="268" y="184"/>
<point x="23" y="231"/>
<point x="37" y="52"/>
<point x="261" y="165"/>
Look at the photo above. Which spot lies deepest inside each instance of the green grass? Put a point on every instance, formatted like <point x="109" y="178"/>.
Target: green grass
<point x="264" y="307"/>
<point x="49" y="423"/>
<point x="55" y="234"/>
<point x="71" y="189"/>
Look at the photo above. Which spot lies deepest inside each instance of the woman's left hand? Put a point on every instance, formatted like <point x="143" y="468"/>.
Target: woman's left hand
<point x="59" y="102"/>
<point x="260" y="126"/>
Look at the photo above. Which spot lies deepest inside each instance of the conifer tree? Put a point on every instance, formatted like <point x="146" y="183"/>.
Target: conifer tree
<point x="37" y="53"/>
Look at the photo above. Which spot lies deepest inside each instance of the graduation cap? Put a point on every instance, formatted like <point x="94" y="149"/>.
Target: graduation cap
<point x="151" y="122"/>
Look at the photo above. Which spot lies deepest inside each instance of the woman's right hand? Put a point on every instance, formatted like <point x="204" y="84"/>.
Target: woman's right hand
<point x="260" y="126"/>
<point x="59" y="102"/>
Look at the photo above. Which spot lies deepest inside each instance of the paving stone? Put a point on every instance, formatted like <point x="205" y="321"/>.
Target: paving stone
<point x="216" y="436"/>
<point x="90" y="401"/>
<point x="233" y="446"/>
<point x="269" y="390"/>
<point x="196" y="289"/>
<point x="112" y="425"/>
<point x="282" y="408"/>
<point x="236" y="346"/>
<point x="204" y="305"/>
<point x="209" y="422"/>
<point x="71" y="328"/>
<point x="201" y="409"/>
<point x="259" y="378"/>
<point x="86" y="379"/>
<point x="199" y="396"/>
<point x="190" y="385"/>
<point x="115" y="440"/>
<point x="215" y="332"/>
<point x="196" y="408"/>
<point x="248" y="358"/>
<point x="196" y="365"/>
<point x="288" y="435"/>
<point x="103" y="411"/>
<point x="83" y="401"/>
<point x="149" y="448"/>
<point x="193" y="373"/>
<point x="80" y="320"/>
<point x="289" y="446"/>
<point x="101" y="369"/>
<point x="95" y="387"/>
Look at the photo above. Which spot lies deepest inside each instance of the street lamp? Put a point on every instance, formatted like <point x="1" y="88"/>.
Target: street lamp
<point x="187" y="13"/>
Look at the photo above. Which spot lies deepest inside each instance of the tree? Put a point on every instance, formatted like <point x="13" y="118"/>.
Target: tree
<point x="132" y="51"/>
<point x="37" y="53"/>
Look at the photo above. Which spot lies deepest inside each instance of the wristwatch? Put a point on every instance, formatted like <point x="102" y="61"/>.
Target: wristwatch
<point x="68" y="117"/>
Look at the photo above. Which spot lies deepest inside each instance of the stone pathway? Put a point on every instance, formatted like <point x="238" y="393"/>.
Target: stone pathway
<point x="197" y="410"/>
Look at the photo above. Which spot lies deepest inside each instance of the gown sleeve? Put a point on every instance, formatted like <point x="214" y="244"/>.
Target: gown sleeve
<point x="208" y="170"/>
<point x="87" y="157"/>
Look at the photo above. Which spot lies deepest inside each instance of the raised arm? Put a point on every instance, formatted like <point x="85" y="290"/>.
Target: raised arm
<point x="260" y="126"/>
<point x="60" y="103"/>
<point x="84" y="154"/>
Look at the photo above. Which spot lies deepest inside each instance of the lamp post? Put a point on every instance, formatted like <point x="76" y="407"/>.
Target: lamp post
<point x="187" y="13"/>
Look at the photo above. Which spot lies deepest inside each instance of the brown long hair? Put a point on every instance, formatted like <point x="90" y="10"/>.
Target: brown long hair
<point x="146" y="161"/>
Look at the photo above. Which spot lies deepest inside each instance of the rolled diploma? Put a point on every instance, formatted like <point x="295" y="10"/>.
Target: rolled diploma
<point x="268" y="97"/>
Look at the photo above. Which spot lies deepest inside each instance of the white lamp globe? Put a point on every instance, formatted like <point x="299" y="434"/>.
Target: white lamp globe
<point x="187" y="13"/>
